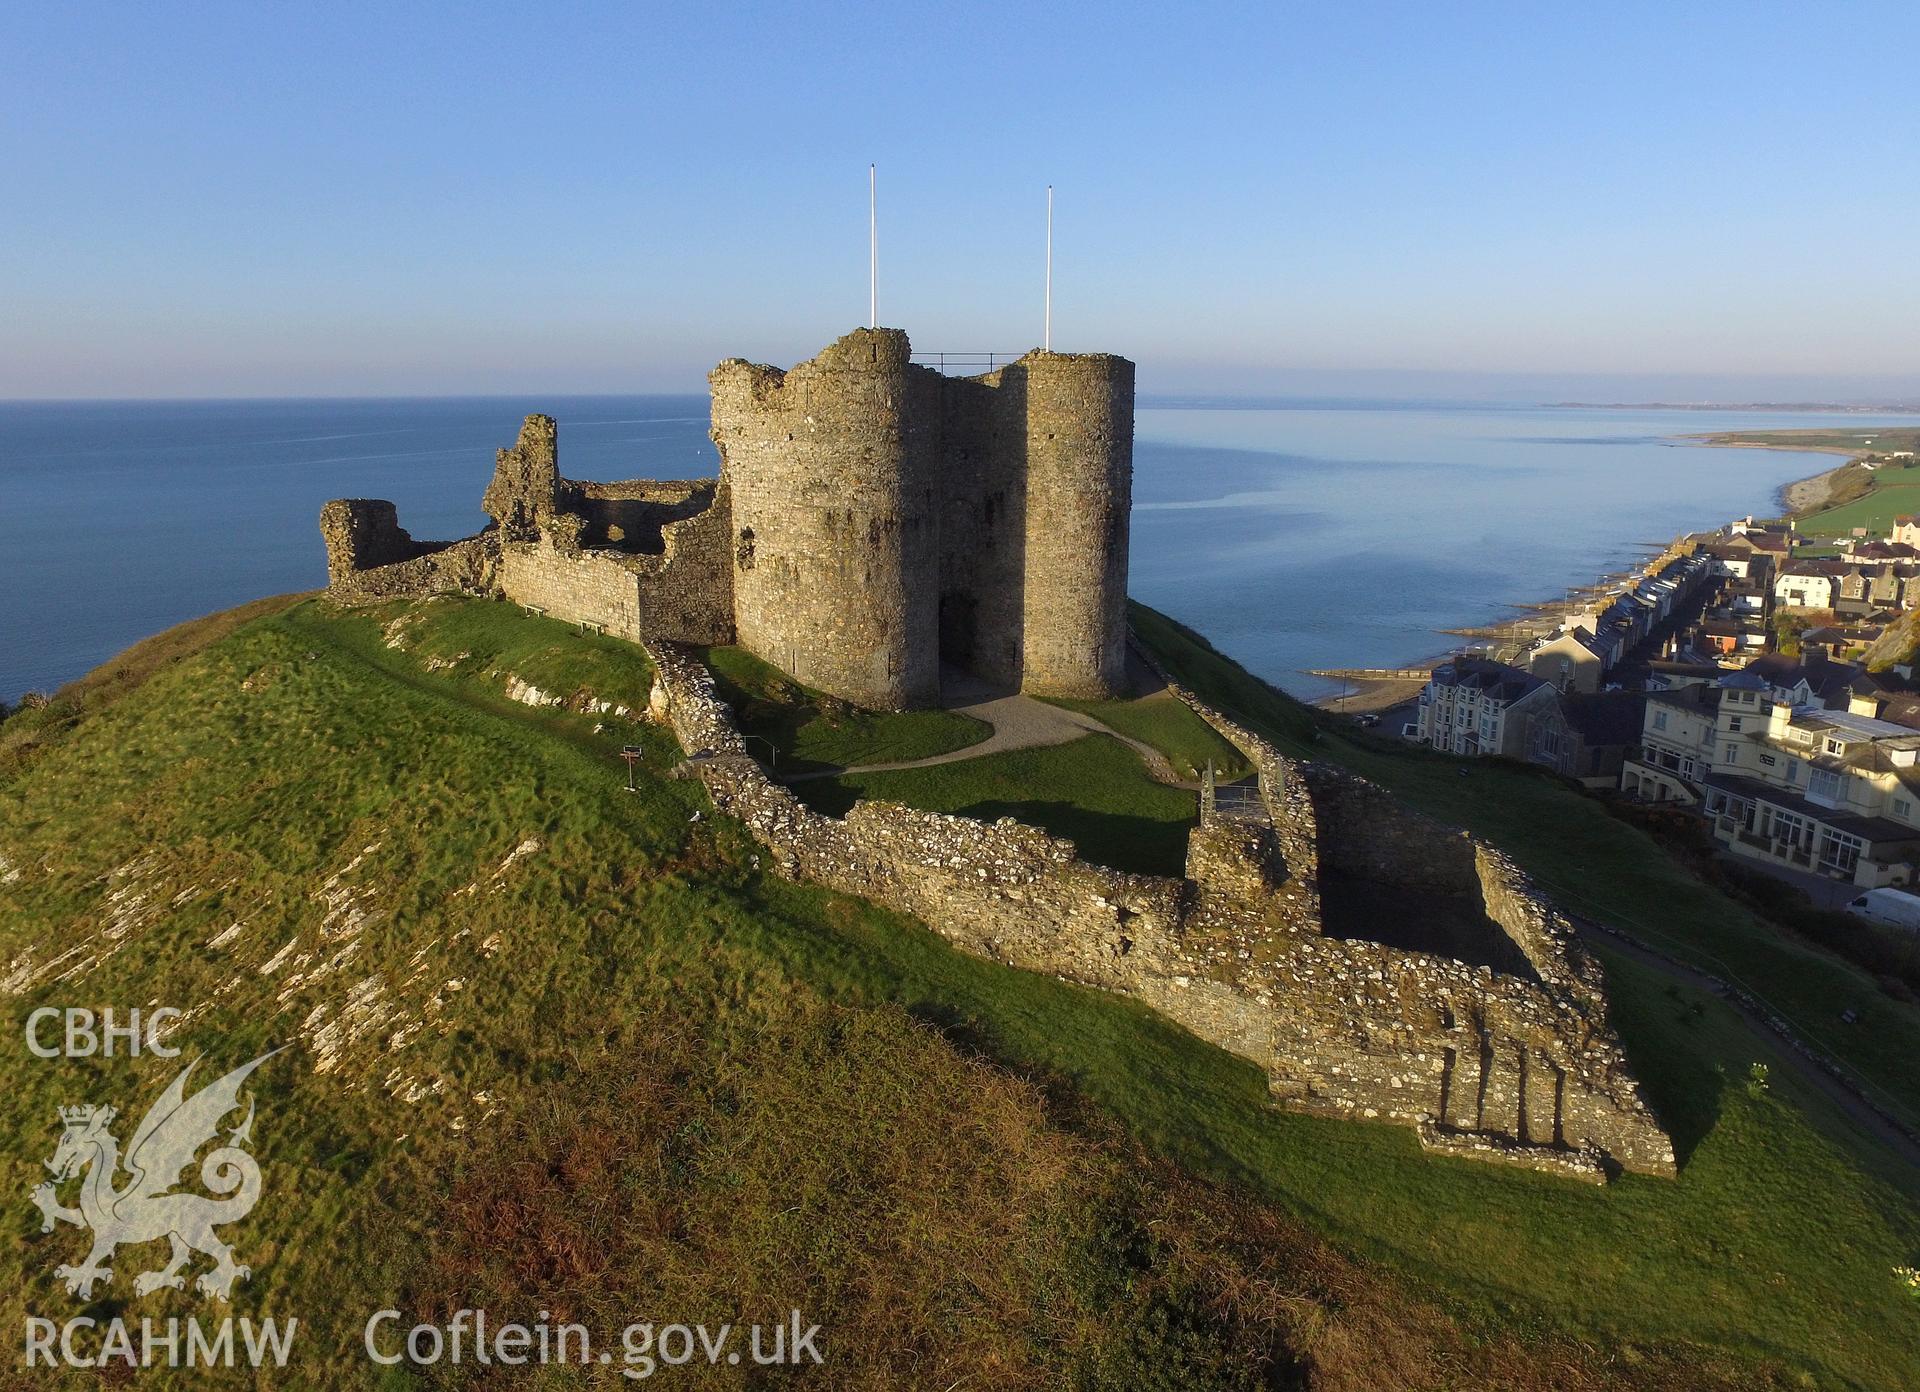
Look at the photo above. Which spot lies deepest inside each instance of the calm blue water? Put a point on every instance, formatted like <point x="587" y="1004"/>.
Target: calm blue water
<point x="1312" y="536"/>
<point x="1335" y="536"/>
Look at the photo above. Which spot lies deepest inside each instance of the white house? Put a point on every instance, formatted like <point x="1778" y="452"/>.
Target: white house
<point x="1804" y="585"/>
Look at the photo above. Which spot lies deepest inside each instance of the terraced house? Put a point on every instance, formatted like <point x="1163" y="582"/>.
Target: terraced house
<point x="1473" y="705"/>
<point x="1794" y="787"/>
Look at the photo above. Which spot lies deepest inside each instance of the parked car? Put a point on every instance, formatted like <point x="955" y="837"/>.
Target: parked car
<point x="1894" y="907"/>
<point x="1368" y="719"/>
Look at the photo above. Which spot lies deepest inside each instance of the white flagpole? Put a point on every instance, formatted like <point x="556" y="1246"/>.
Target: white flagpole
<point x="1046" y="342"/>
<point x="873" y="250"/>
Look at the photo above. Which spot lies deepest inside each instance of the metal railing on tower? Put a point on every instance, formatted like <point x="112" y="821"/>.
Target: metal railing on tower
<point x="965" y="364"/>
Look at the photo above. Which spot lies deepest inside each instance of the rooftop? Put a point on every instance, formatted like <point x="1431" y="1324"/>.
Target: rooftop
<point x="1855" y="727"/>
<point x="1608" y="717"/>
<point x="1497" y="680"/>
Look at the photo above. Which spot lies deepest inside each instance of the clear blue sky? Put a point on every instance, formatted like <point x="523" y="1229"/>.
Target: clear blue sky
<point x="239" y="199"/>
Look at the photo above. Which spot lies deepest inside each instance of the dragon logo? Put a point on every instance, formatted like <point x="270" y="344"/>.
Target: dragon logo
<point x="143" y="1209"/>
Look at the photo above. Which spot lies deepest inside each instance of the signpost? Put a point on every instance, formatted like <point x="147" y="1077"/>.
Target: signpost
<point x="631" y="753"/>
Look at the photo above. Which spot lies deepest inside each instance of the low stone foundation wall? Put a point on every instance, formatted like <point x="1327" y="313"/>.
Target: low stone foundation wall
<point x="1523" y="1069"/>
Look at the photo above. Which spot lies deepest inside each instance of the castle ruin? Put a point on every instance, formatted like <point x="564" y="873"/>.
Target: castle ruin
<point x="874" y="521"/>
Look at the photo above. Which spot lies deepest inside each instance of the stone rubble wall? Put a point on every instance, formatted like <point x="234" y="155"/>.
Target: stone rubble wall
<point x="1001" y="890"/>
<point x="371" y="557"/>
<point x="1481" y="1064"/>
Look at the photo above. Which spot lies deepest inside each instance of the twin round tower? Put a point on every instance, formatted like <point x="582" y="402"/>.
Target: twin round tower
<point x="873" y="521"/>
<point x="891" y="519"/>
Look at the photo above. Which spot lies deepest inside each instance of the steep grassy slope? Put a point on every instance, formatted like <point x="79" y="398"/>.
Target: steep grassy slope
<point x="566" y="1046"/>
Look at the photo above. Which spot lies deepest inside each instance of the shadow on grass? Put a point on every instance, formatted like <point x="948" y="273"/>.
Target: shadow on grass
<point x="1660" y="1025"/>
<point x="1117" y="840"/>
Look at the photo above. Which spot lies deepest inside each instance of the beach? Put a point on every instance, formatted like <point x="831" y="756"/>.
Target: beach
<point x="1807" y="494"/>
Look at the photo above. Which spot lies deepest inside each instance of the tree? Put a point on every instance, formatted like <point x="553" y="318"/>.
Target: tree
<point x="1789" y="624"/>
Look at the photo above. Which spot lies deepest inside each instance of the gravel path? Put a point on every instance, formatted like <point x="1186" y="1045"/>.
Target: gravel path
<point x="1019" y="722"/>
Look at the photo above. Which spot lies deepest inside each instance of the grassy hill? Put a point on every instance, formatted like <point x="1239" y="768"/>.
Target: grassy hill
<point x="561" y="1046"/>
<point x="1888" y="492"/>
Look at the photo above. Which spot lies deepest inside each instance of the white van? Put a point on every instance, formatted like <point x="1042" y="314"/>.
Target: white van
<point x="1894" y="907"/>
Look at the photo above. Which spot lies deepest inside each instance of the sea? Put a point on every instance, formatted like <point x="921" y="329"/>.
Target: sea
<point x="1295" y="534"/>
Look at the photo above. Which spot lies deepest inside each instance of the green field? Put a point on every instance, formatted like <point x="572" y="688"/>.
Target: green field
<point x="1169" y="726"/>
<point x="1895" y="493"/>
<point x="640" y="1076"/>
<point x="1859" y="497"/>
<point x="1839" y="439"/>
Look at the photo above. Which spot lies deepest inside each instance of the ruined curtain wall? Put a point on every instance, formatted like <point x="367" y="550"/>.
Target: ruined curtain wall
<point x="1482" y="1064"/>
<point x="1004" y="891"/>
<point x="686" y="593"/>
<point x="371" y="557"/>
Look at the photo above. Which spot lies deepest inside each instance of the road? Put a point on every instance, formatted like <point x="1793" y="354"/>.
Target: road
<point x="1845" y="1098"/>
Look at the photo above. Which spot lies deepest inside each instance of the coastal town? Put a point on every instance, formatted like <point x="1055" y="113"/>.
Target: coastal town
<point x="1761" y="677"/>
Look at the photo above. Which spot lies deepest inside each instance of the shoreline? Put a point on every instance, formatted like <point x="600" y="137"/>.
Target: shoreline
<point x="1808" y="494"/>
<point x="1797" y="496"/>
<point x="1794" y="498"/>
<point x="1372" y="697"/>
